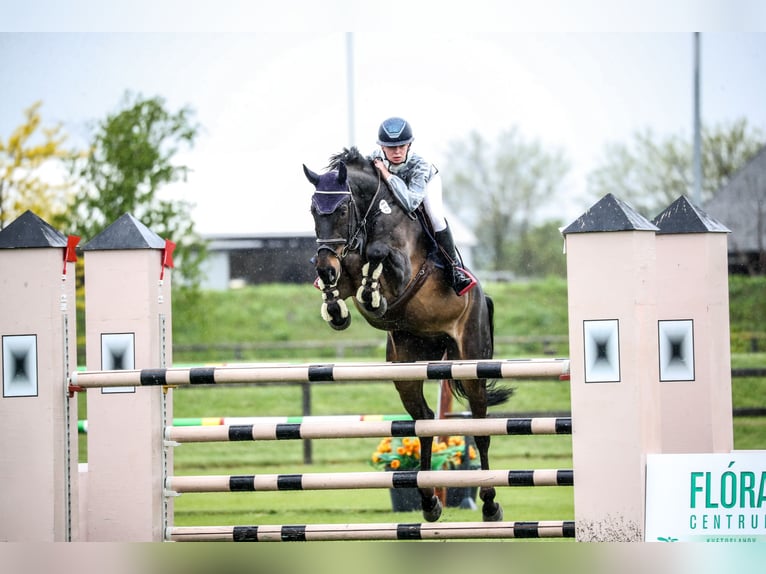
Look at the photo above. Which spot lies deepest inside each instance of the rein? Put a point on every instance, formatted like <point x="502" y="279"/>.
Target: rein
<point x="352" y="242"/>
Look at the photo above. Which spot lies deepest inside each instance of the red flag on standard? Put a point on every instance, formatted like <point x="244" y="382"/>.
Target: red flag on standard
<point x="167" y="257"/>
<point x="70" y="254"/>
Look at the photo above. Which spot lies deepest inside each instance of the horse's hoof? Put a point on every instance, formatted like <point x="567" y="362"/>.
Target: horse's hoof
<point x="435" y="512"/>
<point x="380" y="310"/>
<point x="496" y="516"/>
<point x="343" y="324"/>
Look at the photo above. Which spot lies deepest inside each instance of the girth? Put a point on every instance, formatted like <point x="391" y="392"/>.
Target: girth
<point x="415" y="283"/>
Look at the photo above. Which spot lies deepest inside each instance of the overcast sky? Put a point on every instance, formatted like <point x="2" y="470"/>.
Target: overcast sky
<point x="270" y="101"/>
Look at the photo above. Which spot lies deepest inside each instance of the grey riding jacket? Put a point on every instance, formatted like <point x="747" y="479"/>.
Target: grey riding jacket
<point x="408" y="180"/>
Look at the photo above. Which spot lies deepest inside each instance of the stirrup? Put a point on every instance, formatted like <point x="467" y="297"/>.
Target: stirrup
<point x="462" y="280"/>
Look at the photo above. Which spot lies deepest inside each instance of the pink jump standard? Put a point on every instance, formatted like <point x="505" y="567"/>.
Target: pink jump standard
<point x="693" y="307"/>
<point x="38" y="456"/>
<point x="128" y="306"/>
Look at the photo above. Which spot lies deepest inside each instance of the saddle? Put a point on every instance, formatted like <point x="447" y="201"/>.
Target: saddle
<point x="434" y="253"/>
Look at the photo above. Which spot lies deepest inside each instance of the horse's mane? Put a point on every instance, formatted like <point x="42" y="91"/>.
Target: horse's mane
<point x="352" y="157"/>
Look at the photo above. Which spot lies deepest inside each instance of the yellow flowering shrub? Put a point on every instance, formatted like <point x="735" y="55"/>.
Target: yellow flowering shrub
<point x="403" y="453"/>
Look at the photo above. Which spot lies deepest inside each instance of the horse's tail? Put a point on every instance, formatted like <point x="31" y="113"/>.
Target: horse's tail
<point x="491" y="316"/>
<point x="495" y="395"/>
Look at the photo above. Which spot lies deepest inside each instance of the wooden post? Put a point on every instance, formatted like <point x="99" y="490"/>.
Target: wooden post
<point x="128" y="325"/>
<point x="38" y="420"/>
<point x="612" y="290"/>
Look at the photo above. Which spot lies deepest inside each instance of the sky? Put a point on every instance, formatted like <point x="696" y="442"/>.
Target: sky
<point x="269" y="101"/>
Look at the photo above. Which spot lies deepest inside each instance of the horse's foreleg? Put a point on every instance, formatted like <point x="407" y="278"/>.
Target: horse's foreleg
<point x="411" y="394"/>
<point x="334" y="309"/>
<point x="369" y="293"/>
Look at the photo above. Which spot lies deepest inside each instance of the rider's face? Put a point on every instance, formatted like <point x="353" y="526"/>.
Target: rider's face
<point x="396" y="154"/>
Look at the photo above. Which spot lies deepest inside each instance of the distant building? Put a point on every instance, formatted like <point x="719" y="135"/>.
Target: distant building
<point x="236" y="260"/>
<point x="741" y="206"/>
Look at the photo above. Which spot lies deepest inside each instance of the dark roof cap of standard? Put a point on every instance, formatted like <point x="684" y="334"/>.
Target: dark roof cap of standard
<point x="682" y="216"/>
<point x="29" y="230"/>
<point x="610" y="214"/>
<point x="125" y="233"/>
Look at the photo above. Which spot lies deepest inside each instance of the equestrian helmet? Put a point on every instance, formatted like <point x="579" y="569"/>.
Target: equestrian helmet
<point x="394" y="132"/>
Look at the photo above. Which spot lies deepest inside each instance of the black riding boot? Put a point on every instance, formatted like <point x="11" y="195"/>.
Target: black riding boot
<point x="461" y="279"/>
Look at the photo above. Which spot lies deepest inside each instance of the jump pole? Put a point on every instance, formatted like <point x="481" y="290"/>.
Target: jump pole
<point x="366" y="429"/>
<point x="128" y="310"/>
<point x="38" y="452"/>
<point x="317" y="373"/>
<point x="364" y="480"/>
<point x="391" y="531"/>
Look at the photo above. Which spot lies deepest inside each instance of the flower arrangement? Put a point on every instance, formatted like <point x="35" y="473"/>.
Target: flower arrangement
<point x="403" y="453"/>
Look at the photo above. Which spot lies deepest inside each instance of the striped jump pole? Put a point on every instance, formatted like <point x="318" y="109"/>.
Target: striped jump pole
<point x="363" y="480"/>
<point x="82" y="425"/>
<point x="392" y="531"/>
<point x="365" y="429"/>
<point x="271" y="373"/>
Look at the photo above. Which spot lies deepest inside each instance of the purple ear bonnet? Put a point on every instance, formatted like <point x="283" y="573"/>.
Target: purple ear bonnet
<point x="330" y="193"/>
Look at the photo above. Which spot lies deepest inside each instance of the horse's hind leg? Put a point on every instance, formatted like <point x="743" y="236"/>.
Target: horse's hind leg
<point x="491" y="511"/>
<point x="411" y="394"/>
<point x="401" y="347"/>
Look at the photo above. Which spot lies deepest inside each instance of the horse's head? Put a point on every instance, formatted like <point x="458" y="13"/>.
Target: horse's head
<point x="333" y="213"/>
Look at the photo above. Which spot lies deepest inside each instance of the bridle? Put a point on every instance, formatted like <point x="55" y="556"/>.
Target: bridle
<point x="356" y="233"/>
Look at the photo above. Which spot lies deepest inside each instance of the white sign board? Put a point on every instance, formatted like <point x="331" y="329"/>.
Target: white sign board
<point x="706" y="497"/>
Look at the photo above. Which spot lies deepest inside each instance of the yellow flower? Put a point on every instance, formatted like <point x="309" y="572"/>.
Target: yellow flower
<point x="403" y="453"/>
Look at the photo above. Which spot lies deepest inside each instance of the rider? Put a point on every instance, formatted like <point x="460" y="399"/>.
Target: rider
<point x="414" y="180"/>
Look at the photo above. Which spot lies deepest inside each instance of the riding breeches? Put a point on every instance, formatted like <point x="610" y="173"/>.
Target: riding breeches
<point x="434" y="203"/>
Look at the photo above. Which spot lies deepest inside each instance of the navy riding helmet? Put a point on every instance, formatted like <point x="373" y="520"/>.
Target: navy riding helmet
<point x="394" y="132"/>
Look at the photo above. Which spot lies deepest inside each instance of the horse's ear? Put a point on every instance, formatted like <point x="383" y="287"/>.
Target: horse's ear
<point x="342" y="173"/>
<point x="310" y="175"/>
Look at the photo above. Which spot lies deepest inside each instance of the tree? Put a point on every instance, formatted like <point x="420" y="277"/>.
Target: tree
<point x="650" y="172"/>
<point x="131" y="159"/>
<point x="30" y="159"/>
<point x="500" y="190"/>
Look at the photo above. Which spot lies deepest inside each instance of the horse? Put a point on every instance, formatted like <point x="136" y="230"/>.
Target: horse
<point x="372" y="249"/>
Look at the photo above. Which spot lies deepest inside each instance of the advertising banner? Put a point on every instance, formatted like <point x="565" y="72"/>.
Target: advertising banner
<point x="706" y="497"/>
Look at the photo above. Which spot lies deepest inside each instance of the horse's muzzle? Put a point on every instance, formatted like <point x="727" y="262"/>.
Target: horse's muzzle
<point x="327" y="264"/>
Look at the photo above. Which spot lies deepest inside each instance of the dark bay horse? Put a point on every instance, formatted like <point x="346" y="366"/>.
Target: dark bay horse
<point x="371" y="249"/>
